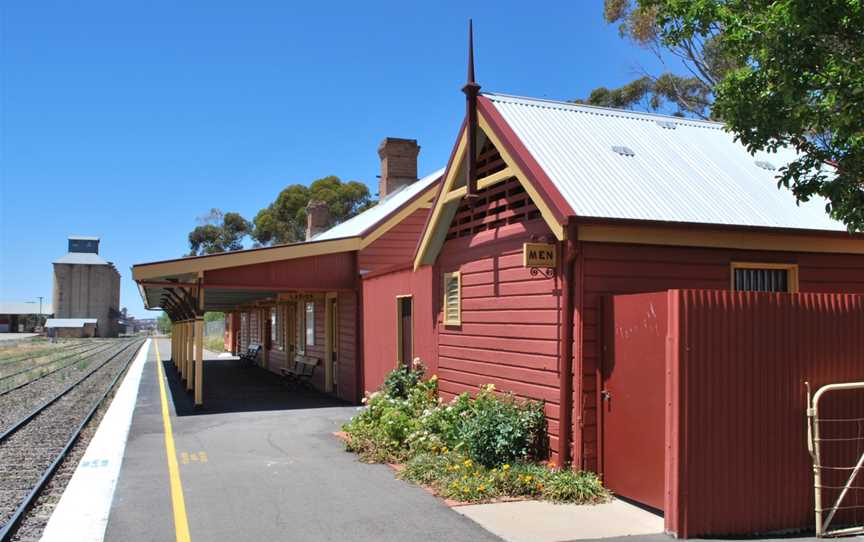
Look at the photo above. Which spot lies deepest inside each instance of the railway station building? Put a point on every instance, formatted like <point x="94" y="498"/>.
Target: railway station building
<point x="581" y="256"/>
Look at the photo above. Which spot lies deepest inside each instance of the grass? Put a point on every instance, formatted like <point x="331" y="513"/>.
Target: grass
<point x="214" y="344"/>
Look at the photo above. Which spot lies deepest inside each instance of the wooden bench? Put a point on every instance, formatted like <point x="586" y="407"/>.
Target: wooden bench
<point x="301" y="369"/>
<point x="251" y="353"/>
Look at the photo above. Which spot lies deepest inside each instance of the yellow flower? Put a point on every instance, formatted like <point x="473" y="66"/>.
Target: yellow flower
<point x="464" y="490"/>
<point x="481" y="488"/>
<point x="528" y="478"/>
<point x="552" y="464"/>
<point x="506" y="466"/>
<point x="468" y="463"/>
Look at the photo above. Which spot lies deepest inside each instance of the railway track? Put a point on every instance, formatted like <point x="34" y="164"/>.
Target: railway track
<point x="74" y="353"/>
<point x="33" y="447"/>
<point x="40" y="352"/>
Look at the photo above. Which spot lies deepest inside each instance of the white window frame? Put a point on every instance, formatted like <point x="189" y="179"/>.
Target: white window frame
<point x="309" y="323"/>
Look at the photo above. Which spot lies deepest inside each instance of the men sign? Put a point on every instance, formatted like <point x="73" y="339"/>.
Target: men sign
<point x="541" y="255"/>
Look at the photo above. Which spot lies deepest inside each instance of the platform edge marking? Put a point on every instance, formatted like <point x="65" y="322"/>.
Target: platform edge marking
<point x="181" y="523"/>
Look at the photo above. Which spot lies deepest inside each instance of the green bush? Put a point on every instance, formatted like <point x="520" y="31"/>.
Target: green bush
<point x="501" y="429"/>
<point x="399" y="382"/>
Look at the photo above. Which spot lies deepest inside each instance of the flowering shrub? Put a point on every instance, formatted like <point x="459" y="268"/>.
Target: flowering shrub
<point x="455" y="476"/>
<point x="470" y="450"/>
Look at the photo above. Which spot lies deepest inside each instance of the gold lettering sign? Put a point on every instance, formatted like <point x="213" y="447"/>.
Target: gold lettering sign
<point x="539" y="255"/>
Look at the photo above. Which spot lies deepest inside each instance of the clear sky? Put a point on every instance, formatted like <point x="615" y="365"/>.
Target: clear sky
<point x="127" y="120"/>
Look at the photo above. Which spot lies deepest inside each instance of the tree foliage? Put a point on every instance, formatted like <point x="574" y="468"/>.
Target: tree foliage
<point x="690" y="94"/>
<point x="218" y="232"/>
<point x="795" y="78"/>
<point x="163" y="323"/>
<point x="284" y="220"/>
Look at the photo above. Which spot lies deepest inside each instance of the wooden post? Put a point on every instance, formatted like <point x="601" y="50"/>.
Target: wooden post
<point x="199" y="361"/>
<point x="189" y="357"/>
<point x="181" y="329"/>
<point x="181" y="346"/>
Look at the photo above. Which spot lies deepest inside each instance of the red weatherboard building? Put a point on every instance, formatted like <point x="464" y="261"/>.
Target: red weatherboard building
<point x="667" y="237"/>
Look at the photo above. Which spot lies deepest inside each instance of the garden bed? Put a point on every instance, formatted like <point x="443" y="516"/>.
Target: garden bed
<point x="490" y="448"/>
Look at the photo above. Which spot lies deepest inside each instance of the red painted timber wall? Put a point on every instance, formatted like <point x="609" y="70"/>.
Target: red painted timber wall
<point x="314" y="273"/>
<point x="396" y="247"/>
<point x="379" y="322"/>
<point x="737" y="363"/>
<point x="511" y="327"/>
<point x="611" y="268"/>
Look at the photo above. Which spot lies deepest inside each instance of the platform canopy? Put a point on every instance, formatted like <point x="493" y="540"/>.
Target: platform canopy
<point x="187" y="287"/>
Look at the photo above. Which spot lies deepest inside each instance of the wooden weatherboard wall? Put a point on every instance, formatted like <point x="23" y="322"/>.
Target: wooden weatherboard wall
<point x="510" y="328"/>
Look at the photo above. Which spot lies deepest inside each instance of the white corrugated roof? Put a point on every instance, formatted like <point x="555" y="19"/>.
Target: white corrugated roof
<point x="87" y="258"/>
<point x="357" y="225"/>
<point x="69" y="322"/>
<point x="695" y="172"/>
<point x="24" y="307"/>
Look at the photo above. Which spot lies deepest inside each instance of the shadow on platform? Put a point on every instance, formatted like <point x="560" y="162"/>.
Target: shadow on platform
<point x="234" y="386"/>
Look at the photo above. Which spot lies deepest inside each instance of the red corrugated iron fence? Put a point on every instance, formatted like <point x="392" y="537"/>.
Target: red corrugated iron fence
<point x="736" y="459"/>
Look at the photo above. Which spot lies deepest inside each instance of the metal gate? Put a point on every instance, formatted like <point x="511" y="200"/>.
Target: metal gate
<point x="836" y="444"/>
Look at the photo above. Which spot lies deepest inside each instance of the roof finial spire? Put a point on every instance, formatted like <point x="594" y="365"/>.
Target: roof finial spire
<point x="470" y="52"/>
<point x="471" y="90"/>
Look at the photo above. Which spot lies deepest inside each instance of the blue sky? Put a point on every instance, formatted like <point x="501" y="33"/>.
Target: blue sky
<point x="127" y="120"/>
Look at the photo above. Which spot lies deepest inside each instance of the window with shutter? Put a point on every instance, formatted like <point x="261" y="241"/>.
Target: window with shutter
<point x="764" y="277"/>
<point x="452" y="299"/>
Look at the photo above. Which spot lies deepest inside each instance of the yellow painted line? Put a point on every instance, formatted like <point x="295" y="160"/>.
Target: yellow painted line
<point x="181" y="524"/>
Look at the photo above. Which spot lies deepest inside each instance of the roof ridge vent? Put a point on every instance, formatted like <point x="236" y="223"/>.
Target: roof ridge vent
<point x="668" y="124"/>
<point x="764" y="164"/>
<point x="623" y="150"/>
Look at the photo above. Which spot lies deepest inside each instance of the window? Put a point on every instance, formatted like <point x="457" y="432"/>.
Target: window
<point x="310" y="324"/>
<point x="404" y="330"/>
<point x="274" y="336"/>
<point x="764" y="277"/>
<point x="300" y="332"/>
<point x="452" y="299"/>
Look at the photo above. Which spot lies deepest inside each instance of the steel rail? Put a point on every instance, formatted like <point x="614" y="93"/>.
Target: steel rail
<point x="7" y="531"/>
<point x="58" y="369"/>
<point x="69" y="355"/>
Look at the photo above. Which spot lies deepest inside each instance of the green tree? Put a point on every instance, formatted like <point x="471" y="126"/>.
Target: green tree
<point x="218" y="232"/>
<point x="163" y="324"/>
<point x="213" y="316"/>
<point x="796" y="79"/>
<point x="284" y="220"/>
<point x="690" y="94"/>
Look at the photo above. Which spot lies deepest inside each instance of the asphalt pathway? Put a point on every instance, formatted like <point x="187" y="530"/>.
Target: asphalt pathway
<point x="261" y="464"/>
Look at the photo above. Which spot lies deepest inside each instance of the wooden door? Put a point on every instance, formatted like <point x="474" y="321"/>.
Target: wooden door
<point x="634" y="397"/>
<point x="332" y="342"/>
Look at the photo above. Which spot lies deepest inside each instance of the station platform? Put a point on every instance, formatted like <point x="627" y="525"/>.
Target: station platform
<point x="258" y="462"/>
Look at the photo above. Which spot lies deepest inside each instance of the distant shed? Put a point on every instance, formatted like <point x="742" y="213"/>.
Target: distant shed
<point x="71" y="327"/>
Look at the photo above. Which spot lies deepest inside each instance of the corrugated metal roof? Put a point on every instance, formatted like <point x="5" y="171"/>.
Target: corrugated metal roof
<point x="88" y="258"/>
<point x="357" y="225"/>
<point x="680" y="170"/>
<point x="69" y="322"/>
<point x="83" y="238"/>
<point x="24" y="307"/>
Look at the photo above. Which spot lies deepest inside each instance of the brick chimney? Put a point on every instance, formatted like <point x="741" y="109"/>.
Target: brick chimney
<point x="317" y="218"/>
<point x="398" y="164"/>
